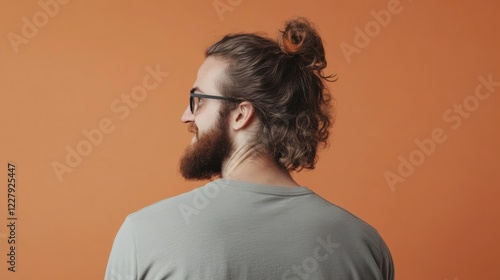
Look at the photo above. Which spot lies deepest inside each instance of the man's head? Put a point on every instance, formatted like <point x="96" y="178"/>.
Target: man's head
<point x="279" y="107"/>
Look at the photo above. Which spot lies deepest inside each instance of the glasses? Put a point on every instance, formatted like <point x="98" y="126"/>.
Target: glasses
<point x="194" y="98"/>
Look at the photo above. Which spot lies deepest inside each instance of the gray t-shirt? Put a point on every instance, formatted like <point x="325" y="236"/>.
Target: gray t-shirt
<point x="230" y="229"/>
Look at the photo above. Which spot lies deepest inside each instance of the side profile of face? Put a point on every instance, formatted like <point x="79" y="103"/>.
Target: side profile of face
<point x="211" y="144"/>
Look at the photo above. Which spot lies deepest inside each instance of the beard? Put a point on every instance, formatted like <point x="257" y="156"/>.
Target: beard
<point x="204" y="158"/>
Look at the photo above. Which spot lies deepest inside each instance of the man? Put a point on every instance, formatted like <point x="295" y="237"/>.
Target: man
<point x="258" y="110"/>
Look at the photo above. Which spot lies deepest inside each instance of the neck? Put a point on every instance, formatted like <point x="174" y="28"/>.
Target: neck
<point x="249" y="166"/>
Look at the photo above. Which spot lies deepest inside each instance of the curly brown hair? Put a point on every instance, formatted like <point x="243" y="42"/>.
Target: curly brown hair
<point x="284" y="81"/>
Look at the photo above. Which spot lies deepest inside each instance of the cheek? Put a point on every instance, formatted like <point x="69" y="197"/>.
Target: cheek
<point x="201" y="126"/>
<point x="206" y="120"/>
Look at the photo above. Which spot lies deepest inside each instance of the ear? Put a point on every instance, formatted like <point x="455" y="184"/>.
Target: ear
<point x="242" y="116"/>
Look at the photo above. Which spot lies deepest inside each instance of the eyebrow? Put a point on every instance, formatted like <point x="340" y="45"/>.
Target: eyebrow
<point x="196" y="89"/>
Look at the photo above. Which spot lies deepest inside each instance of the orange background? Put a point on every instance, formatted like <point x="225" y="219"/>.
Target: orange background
<point x="440" y="223"/>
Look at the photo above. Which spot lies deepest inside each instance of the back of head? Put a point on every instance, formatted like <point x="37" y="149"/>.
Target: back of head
<point x="284" y="81"/>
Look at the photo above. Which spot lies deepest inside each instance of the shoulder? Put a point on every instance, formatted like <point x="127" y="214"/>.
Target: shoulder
<point x="167" y="209"/>
<point x="338" y="216"/>
<point x="343" y="225"/>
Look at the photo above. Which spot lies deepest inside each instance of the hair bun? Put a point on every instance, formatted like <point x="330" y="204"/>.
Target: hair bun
<point x="300" y="38"/>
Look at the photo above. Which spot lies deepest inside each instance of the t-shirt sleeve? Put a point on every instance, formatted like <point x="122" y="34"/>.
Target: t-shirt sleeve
<point x="122" y="262"/>
<point x="386" y="263"/>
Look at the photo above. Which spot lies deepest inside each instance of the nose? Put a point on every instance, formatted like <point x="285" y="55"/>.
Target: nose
<point x="187" y="116"/>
